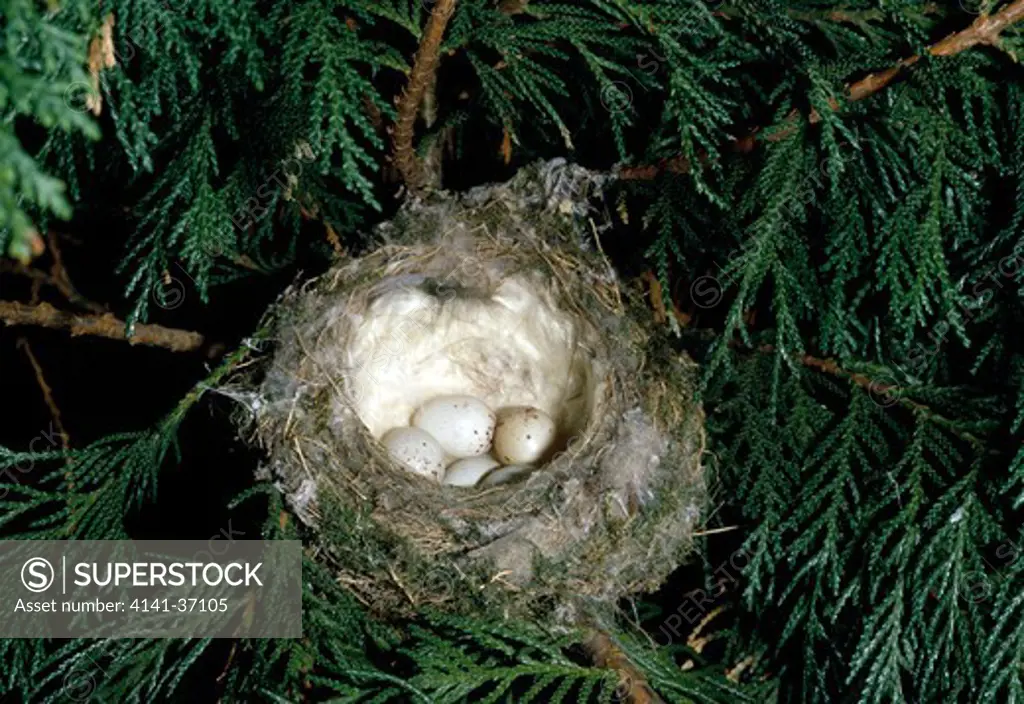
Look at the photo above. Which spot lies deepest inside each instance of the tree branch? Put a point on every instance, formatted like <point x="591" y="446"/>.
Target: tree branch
<point x="47" y="392"/>
<point x="45" y="315"/>
<point x="841" y="16"/>
<point x="57" y="278"/>
<point x="62" y="281"/>
<point x="887" y="394"/>
<point x="986" y="29"/>
<point x="633" y="687"/>
<point x="409" y="165"/>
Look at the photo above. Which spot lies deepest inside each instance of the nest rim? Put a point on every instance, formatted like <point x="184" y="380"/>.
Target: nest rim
<point x="670" y="403"/>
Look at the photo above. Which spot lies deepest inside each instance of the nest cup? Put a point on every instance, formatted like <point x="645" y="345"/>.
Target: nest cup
<point x="501" y="293"/>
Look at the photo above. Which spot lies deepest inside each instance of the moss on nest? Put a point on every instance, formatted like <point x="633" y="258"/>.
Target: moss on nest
<point x="611" y="513"/>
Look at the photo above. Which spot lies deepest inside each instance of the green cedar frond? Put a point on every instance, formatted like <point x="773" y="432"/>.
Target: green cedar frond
<point x="535" y="49"/>
<point x="42" y="82"/>
<point x="1003" y="651"/>
<point x="700" y="684"/>
<point x="86" y="493"/>
<point x="202" y="206"/>
<point x="467" y="660"/>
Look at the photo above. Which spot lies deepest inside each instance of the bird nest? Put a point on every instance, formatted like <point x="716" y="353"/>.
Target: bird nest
<point x="501" y="293"/>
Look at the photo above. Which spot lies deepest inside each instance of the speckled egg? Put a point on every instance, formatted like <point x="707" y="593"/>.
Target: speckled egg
<point x="468" y="471"/>
<point x="523" y="435"/>
<point x="416" y="450"/>
<point x="464" y="425"/>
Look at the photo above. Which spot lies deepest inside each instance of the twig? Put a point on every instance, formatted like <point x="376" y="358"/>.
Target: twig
<point x="714" y="531"/>
<point x="396" y="580"/>
<point x="58" y="279"/>
<point x="35" y="289"/>
<point x="876" y="388"/>
<point x="433" y="159"/>
<point x="65" y="439"/>
<point x="736" y="671"/>
<point x="891" y="392"/>
<point x="45" y="315"/>
<point x="986" y="29"/>
<point x="409" y="165"/>
<point x="660" y="309"/>
<point x="62" y="281"/>
<point x="858" y="17"/>
<point x="333" y="239"/>
<point x="633" y="687"/>
<point x="227" y="665"/>
<point x="657" y="301"/>
<point x="697" y="642"/>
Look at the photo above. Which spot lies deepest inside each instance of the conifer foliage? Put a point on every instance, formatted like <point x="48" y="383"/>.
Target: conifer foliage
<point x="824" y="201"/>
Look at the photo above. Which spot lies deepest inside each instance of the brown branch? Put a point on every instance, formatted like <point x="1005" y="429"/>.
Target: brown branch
<point x="62" y="281"/>
<point x="657" y="300"/>
<point x="45" y="315"/>
<point x="388" y="173"/>
<point x="698" y="640"/>
<point x="986" y="29"/>
<point x="13" y="267"/>
<point x="633" y="687"/>
<point x="839" y="16"/>
<point x="65" y="439"/>
<point x="887" y="394"/>
<point x="826" y="365"/>
<point x="890" y="394"/>
<point x="424" y="66"/>
<point x="58" y="279"/>
<point x="47" y="392"/>
<point x="858" y="17"/>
